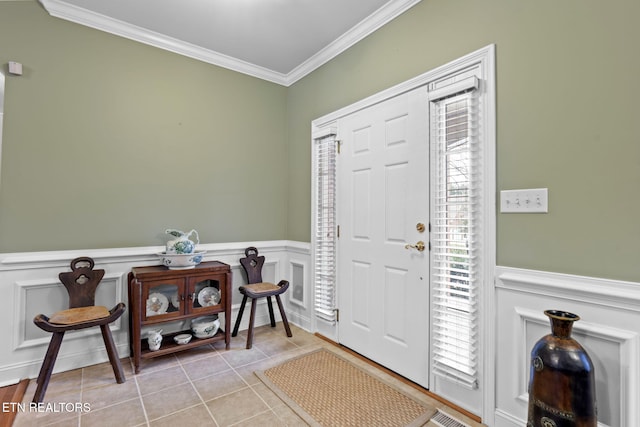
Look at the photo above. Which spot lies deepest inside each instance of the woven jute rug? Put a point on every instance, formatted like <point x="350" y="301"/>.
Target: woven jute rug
<point x="325" y="389"/>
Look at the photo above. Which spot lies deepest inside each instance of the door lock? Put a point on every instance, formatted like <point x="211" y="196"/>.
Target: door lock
<point x="420" y="227"/>
<point x="419" y="246"/>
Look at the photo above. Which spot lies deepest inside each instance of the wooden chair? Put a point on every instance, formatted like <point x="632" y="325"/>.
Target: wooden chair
<point x="255" y="289"/>
<point x="81" y="283"/>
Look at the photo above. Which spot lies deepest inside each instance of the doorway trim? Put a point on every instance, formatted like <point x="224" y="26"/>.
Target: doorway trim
<point x="483" y="58"/>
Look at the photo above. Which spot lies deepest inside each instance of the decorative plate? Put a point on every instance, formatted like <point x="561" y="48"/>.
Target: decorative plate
<point x="157" y="304"/>
<point x="208" y="296"/>
<point x="174" y="300"/>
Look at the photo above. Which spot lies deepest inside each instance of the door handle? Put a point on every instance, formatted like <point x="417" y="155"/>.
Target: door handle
<point x="419" y="246"/>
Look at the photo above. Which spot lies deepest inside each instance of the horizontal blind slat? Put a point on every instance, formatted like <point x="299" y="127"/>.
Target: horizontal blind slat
<point x="454" y="257"/>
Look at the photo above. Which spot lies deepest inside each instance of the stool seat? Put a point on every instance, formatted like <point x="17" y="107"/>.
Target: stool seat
<point x="263" y="289"/>
<point x="79" y="315"/>
<point x="255" y="289"/>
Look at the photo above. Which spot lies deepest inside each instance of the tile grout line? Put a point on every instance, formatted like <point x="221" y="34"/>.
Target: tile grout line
<point x="245" y="381"/>
<point x="254" y="416"/>
<point x="144" y="410"/>
<point x="81" y="395"/>
<point x="196" y="390"/>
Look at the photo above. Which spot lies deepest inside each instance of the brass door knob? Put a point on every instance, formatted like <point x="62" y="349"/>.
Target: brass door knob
<point x="419" y="246"/>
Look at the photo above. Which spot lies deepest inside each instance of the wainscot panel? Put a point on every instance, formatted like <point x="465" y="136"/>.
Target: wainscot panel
<point x="29" y="283"/>
<point x="608" y="330"/>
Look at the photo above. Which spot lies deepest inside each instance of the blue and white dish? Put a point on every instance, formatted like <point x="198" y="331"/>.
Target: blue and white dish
<point x="181" y="261"/>
<point x="182" y="339"/>
<point x="205" y="327"/>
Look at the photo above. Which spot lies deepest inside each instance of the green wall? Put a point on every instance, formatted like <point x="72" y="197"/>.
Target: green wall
<point x="568" y="81"/>
<point x="107" y="142"/>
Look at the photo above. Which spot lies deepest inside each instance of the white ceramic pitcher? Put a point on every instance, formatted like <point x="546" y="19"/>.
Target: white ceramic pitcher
<point x="181" y="244"/>
<point x="154" y="339"/>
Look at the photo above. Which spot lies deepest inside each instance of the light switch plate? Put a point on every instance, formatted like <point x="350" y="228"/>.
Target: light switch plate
<point x="532" y="200"/>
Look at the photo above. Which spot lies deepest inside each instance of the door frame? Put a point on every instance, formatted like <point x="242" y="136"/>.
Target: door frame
<point x="484" y="59"/>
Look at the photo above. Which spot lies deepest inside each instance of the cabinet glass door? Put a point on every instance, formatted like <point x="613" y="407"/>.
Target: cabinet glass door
<point x="206" y="293"/>
<point x="163" y="299"/>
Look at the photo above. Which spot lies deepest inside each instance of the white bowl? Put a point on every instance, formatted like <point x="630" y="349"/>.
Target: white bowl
<point x="182" y="338"/>
<point x="205" y="327"/>
<point x="181" y="261"/>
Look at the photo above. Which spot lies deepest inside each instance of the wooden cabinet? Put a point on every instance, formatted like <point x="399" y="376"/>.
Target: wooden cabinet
<point x="157" y="295"/>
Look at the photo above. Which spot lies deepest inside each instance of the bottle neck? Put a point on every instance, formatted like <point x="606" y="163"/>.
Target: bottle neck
<point x="561" y="322"/>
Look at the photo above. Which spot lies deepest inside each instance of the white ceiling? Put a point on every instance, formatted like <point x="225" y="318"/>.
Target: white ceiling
<point x="276" y="40"/>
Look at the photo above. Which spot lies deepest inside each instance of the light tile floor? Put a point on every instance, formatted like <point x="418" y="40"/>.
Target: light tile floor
<point x="204" y="386"/>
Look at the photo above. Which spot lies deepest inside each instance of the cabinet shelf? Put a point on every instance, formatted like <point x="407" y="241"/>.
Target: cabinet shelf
<point x="169" y="346"/>
<point x="158" y="295"/>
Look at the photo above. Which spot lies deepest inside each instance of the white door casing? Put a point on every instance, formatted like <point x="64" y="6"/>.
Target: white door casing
<point x="383" y="194"/>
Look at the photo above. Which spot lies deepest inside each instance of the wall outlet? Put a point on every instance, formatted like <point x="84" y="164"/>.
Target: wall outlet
<point x="533" y="200"/>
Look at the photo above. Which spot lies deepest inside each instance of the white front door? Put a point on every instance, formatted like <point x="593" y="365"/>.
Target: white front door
<point x="383" y="197"/>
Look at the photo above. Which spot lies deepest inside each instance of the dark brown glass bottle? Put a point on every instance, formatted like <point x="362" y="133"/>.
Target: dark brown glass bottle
<point x="561" y="381"/>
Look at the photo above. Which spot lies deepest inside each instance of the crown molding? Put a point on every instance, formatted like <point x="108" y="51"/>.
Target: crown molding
<point x="378" y="19"/>
<point x="78" y="15"/>
<point x="72" y="13"/>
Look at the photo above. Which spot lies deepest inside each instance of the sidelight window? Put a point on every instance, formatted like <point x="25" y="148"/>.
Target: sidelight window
<point x="455" y="254"/>
<point x="324" y="227"/>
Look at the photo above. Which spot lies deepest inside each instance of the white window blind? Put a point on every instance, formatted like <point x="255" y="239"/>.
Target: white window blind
<point x="325" y="227"/>
<point x="455" y="236"/>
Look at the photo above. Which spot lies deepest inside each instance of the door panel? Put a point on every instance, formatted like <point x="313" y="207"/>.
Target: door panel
<point x="360" y="300"/>
<point x="361" y="206"/>
<point x="396" y="182"/>
<point x="396" y="290"/>
<point x="383" y="288"/>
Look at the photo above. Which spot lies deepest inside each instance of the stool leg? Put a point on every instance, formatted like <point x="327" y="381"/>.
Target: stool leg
<point x="237" y="325"/>
<point x="251" y="319"/>
<point x="112" y="353"/>
<point x="47" y="366"/>
<point x="271" y="316"/>
<point x="284" y="317"/>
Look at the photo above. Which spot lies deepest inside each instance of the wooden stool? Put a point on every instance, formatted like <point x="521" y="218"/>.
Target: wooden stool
<point x="81" y="284"/>
<point x="255" y="289"/>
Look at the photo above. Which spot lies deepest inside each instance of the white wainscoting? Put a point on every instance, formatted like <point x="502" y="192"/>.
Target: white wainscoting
<point x="609" y="330"/>
<point x="29" y="284"/>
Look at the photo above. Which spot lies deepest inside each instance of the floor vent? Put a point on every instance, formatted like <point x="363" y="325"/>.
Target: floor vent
<point x="443" y="419"/>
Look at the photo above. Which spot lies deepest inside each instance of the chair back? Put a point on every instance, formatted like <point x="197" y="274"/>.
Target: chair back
<point x="81" y="282"/>
<point x="252" y="264"/>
